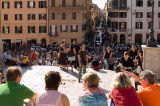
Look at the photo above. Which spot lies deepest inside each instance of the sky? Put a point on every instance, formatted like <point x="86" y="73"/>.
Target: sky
<point x="100" y="3"/>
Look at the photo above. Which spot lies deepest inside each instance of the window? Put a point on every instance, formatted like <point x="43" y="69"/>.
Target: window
<point x="149" y="15"/>
<point x="53" y="30"/>
<point x="74" y="3"/>
<point x="31" y="17"/>
<point x="42" y="29"/>
<point x="5" y="4"/>
<point x="63" y="15"/>
<point x="53" y="3"/>
<point x="31" y="29"/>
<point x="74" y="28"/>
<point x="149" y="25"/>
<point x="139" y="3"/>
<point x="18" y="29"/>
<point x="18" y="4"/>
<point x="113" y="14"/>
<point x="159" y="25"/>
<point x="64" y="28"/>
<point x="123" y="4"/>
<point x="53" y="16"/>
<point x="159" y="4"/>
<point x="139" y="15"/>
<point x="74" y="15"/>
<point x="42" y="16"/>
<point x="18" y="16"/>
<point x="31" y="4"/>
<point x="122" y="25"/>
<point x="114" y="25"/>
<point x="139" y="25"/>
<point x="149" y="4"/>
<point x="42" y="4"/>
<point x="63" y="3"/>
<point x="158" y="14"/>
<point x="122" y="15"/>
<point x="5" y="16"/>
<point x="5" y="29"/>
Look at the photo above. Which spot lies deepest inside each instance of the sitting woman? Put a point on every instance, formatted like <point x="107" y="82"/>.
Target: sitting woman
<point x="123" y="93"/>
<point x="52" y="97"/>
<point x="92" y="94"/>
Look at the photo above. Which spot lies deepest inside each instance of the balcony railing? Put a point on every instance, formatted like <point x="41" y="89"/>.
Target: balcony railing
<point x="119" y="8"/>
<point x="53" y="34"/>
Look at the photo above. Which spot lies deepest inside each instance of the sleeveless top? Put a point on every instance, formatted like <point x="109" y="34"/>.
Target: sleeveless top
<point x="97" y="99"/>
<point x="107" y="55"/>
<point x="50" y="98"/>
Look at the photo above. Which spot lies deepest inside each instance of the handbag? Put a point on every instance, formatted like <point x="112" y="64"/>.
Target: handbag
<point x="72" y="58"/>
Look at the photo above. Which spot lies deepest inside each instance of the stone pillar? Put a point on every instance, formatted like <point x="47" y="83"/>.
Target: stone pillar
<point x="151" y="59"/>
<point x="1" y="55"/>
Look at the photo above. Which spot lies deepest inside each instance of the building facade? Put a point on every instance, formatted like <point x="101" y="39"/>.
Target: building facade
<point x="130" y="20"/>
<point x="23" y="22"/>
<point x="43" y="22"/>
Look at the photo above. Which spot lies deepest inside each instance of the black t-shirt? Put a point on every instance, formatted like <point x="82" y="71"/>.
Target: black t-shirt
<point x="128" y="63"/>
<point x="133" y="54"/>
<point x="77" y="48"/>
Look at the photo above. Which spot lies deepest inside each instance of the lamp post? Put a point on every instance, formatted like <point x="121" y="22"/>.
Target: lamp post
<point x="151" y="42"/>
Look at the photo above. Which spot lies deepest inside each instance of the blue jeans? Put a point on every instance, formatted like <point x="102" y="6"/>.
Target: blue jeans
<point x="106" y="63"/>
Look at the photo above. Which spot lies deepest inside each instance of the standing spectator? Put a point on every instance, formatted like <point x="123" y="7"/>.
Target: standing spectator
<point x="127" y="62"/>
<point x="12" y="93"/>
<point x="83" y="60"/>
<point x="123" y="93"/>
<point x="150" y="93"/>
<point x="77" y="48"/>
<point x="71" y="57"/>
<point x="52" y="97"/>
<point x="107" y="56"/>
<point x="92" y="95"/>
<point x="62" y="58"/>
<point x="133" y="52"/>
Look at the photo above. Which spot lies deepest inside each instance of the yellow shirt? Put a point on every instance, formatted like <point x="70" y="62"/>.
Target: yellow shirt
<point x="25" y="60"/>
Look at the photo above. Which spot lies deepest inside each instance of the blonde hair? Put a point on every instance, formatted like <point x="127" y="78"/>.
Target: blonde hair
<point x="92" y="79"/>
<point x="122" y="81"/>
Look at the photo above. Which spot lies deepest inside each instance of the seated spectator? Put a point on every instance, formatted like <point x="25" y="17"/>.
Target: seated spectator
<point x="123" y="93"/>
<point x="127" y="62"/>
<point x="150" y="93"/>
<point x="25" y="61"/>
<point x="52" y="97"/>
<point x="12" y="93"/>
<point x="92" y="95"/>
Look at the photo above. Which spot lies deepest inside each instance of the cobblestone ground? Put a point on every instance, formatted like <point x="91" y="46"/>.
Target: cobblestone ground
<point x="33" y="77"/>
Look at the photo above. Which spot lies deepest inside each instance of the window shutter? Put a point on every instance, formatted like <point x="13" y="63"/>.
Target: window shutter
<point x="28" y="29"/>
<point x="39" y="29"/>
<point x="60" y="28"/>
<point x="56" y="29"/>
<point x="15" y="16"/>
<point x="21" y="4"/>
<point x="28" y="4"/>
<point x="66" y="28"/>
<point x="21" y="16"/>
<point x="8" y="5"/>
<point x="39" y="16"/>
<point x="33" y="4"/>
<point x="77" y="28"/>
<point x="71" y="29"/>
<point x="15" y="4"/>
<point x="15" y="29"/>
<point x="2" y="4"/>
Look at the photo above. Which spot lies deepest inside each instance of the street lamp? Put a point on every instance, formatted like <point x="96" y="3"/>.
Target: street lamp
<point x="151" y="42"/>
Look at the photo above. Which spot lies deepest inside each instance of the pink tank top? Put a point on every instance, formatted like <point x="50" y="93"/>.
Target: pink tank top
<point x="50" y="98"/>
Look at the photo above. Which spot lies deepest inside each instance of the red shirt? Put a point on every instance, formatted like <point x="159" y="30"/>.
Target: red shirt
<point x="125" y="97"/>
